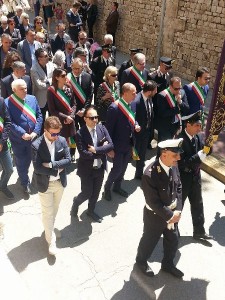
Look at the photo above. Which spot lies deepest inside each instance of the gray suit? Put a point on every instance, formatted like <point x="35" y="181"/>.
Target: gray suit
<point x="41" y="81"/>
<point x="25" y="53"/>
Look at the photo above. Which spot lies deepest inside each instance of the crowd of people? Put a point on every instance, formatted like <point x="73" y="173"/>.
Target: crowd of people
<point x="61" y="93"/>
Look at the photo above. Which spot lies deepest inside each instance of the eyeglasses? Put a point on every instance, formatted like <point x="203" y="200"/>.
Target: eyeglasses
<point x="177" y="89"/>
<point x="39" y="22"/>
<point x="113" y="75"/>
<point x="82" y="38"/>
<point x="70" y="49"/>
<point x="45" y="56"/>
<point x="63" y="75"/>
<point x="207" y="78"/>
<point x="93" y="118"/>
<point x="53" y="134"/>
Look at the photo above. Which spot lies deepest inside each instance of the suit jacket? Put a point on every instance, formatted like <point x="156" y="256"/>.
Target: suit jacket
<point x="25" y="54"/>
<point x="6" y="89"/>
<point x="141" y="116"/>
<point x="22" y="30"/>
<point x="120" y="129"/>
<point x="87" y="47"/>
<point x="86" y="159"/>
<point x="20" y="122"/>
<point x="112" y="21"/>
<point x="11" y="49"/>
<point x="127" y="76"/>
<point x="92" y="12"/>
<point x="98" y="67"/>
<point x="192" y="99"/>
<point x="157" y="191"/>
<point x="98" y="52"/>
<point x="166" y="114"/>
<point x="16" y="36"/>
<point x="41" y="81"/>
<point x="41" y="154"/>
<point x="4" y="114"/>
<point x="17" y="22"/>
<point x="125" y="65"/>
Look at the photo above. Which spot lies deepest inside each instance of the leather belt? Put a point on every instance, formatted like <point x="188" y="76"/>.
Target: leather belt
<point x="172" y="206"/>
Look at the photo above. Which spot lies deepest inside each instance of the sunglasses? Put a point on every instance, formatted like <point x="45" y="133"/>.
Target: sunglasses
<point x="93" y="118"/>
<point x="71" y="49"/>
<point x="63" y="75"/>
<point x="82" y="39"/>
<point x="177" y="89"/>
<point x="54" y="134"/>
<point x="207" y="78"/>
<point x="114" y="75"/>
<point x="39" y="22"/>
<point x="45" y="56"/>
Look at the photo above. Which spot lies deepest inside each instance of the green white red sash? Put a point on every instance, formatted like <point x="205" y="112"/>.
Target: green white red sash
<point x="111" y="90"/>
<point x="71" y="142"/>
<point x="137" y="74"/>
<point x="198" y="91"/>
<point x="76" y="88"/>
<point x="23" y="107"/>
<point x="123" y="106"/>
<point x="172" y="102"/>
<point x="1" y="124"/>
<point x="62" y="97"/>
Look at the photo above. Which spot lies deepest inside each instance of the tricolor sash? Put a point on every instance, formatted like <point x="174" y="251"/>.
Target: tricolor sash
<point x="172" y="102"/>
<point x="1" y="124"/>
<point x="111" y="90"/>
<point x="76" y="88"/>
<point x="23" y="107"/>
<point x="126" y="110"/>
<point x="71" y="142"/>
<point x="62" y="97"/>
<point x="198" y="91"/>
<point x="137" y="74"/>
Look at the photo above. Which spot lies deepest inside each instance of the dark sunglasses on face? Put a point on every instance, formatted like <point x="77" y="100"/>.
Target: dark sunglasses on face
<point x="39" y="22"/>
<point x="177" y="89"/>
<point x="45" y="56"/>
<point x="71" y="49"/>
<point x="63" y="75"/>
<point x="114" y="75"/>
<point x="82" y="39"/>
<point x="53" y="134"/>
<point x="93" y="118"/>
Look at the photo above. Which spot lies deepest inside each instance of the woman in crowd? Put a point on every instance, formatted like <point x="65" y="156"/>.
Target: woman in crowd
<point x="59" y="59"/>
<point x="24" y="25"/>
<point x="62" y="104"/>
<point x="13" y="32"/>
<point x="38" y="27"/>
<point x="48" y="10"/>
<point x="108" y="91"/>
<point x="9" y="60"/>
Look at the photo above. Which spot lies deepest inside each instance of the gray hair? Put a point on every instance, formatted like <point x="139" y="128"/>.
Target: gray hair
<point x="24" y="15"/>
<point x="108" y="37"/>
<point x="59" y="58"/>
<point x="18" y="65"/>
<point x="17" y="82"/>
<point x="138" y="57"/>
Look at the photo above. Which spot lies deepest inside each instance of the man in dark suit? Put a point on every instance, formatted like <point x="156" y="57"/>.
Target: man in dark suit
<point x="83" y="43"/>
<point x="120" y="123"/>
<point x="27" y="48"/>
<point x="5" y="48"/>
<point x="128" y="63"/>
<point x="26" y="120"/>
<point x="112" y="20"/>
<point x="69" y="49"/>
<point x="136" y="74"/>
<point x="143" y="110"/>
<point x="82" y="86"/>
<point x="18" y="11"/>
<point x="19" y="71"/>
<point x="50" y="156"/>
<point x="162" y="77"/>
<point x="163" y="195"/>
<point x="189" y="167"/>
<point x="99" y="65"/>
<point x="172" y="105"/>
<point x="108" y="40"/>
<point x="93" y="143"/>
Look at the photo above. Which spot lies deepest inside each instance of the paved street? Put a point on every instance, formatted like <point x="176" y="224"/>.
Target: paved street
<point x="96" y="261"/>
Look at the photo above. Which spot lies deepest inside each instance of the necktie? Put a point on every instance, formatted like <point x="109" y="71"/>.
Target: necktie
<point x="107" y="63"/>
<point x="78" y="81"/>
<point x="148" y="113"/>
<point x="97" y="162"/>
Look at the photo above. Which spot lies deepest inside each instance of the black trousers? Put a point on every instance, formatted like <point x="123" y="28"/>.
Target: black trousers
<point x="192" y="189"/>
<point x="141" y="145"/>
<point x="43" y="112"/>
<point x="90" y="188"/>
<point x="120" y="162"/>
<point x="154" y="227"/>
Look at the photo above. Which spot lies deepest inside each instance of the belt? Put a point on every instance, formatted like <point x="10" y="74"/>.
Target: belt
<point x="172" y="206"/>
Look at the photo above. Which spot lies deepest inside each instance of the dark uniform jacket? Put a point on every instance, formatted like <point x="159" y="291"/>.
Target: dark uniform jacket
<point x="157" y="191"/>
<point x="127" y="76"/>
<point x="4" y="114"/>
<point x="125" y="65"/>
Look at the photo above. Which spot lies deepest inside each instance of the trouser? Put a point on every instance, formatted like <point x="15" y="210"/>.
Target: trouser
<point x="120" y="162"/>
<point x="90" y="29"/>
<point x="50" y="201"/>
<point x="7" y="168"/>
<point x="43" y="112"/>
<point x="192" y="188"/>
<point x="22" y="154"/>
<point x="37" y="8"/>
<point x="90" y="188"/>
<point x="141" y="147"/>
<point x="154" y="227"/>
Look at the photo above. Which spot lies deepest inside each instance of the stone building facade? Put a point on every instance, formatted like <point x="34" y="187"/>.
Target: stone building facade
<point x="190" y="31"/>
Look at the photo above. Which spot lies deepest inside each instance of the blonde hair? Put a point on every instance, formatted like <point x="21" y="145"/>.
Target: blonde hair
<point x="109" y="70"/>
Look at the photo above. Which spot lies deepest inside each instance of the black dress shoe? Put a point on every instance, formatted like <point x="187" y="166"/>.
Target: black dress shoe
<point x="74" y="209"/>
<point x="107" y="195"/>
<point x="204" y="236"/>
<point x="27" y="189"/>
<point x="173" y="271"/>
<point x="145" y="269"/>
<point x="94" y="216"/>
<point x="121" y="192"/>
<point x="7" y="193"/>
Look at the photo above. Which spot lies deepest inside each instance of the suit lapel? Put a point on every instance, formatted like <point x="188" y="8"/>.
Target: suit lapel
<point x="45" y="150"/>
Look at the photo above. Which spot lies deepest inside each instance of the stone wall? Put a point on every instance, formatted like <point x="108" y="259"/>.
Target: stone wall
<point x="190" y="31"/>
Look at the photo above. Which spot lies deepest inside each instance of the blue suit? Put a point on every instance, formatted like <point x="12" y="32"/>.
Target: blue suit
<point x="121" y="132"/>
<point x="193" y="101"/>
<point x="21" y="124"/>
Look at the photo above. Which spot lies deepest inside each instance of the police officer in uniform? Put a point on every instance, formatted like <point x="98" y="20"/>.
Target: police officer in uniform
<point x="163" y="194"/>
<point x="189" y="167"/>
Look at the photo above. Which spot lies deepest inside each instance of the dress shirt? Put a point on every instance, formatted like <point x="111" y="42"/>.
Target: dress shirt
<point x="97" y="162"/>
<point x="51" y="149"/>
<point x="165" y="168"/>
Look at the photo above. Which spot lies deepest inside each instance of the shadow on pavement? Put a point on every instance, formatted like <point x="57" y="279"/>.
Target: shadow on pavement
<point x="141" y="287"/>
<point x="217" y="229"/>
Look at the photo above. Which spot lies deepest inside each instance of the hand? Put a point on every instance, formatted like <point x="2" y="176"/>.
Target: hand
<point x="111" y="154"/>
<point x="137" y="128"/>
<point x="26" y="137"/>
<point x="105" y="143"/>
<point x="68" y="120"/>
<point x="46" y="165"/>
<point x="91" y="149"/>
<point x="108" y="95"/>
<point x="60" y="170"/>
<point x="33" y="135"/>
<point x="176" y="217"/>
<point x="178" y="98"/>
<point x="80" y="113"/>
